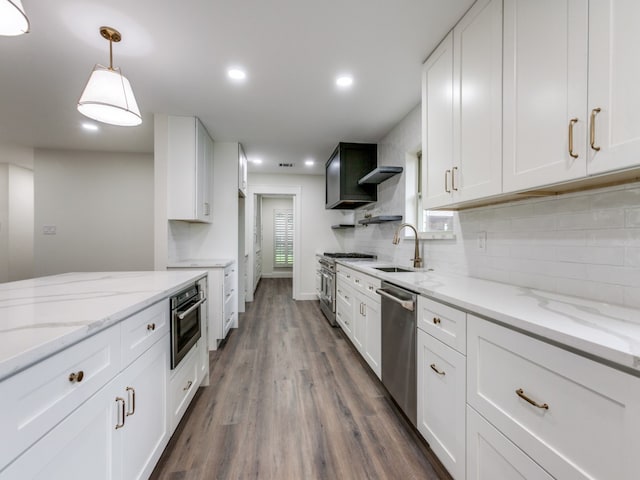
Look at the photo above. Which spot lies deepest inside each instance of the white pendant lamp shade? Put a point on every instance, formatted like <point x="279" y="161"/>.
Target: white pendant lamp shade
<point x="13" y="20"/>
<point x="108" y="98"/>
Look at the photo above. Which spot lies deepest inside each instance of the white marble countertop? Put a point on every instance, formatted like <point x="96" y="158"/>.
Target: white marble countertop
<point x="41" y="316"/>
<point x="606" y="331"/>
<point x="201" y="263"/>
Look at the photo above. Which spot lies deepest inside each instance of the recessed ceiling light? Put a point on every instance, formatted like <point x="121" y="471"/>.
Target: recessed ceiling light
<point x="257" y="161"/>
<point x="344" y="81"/>
<point x="309" y="163"/>
<point x="237" y="74"/>
<point x="90" y="126"/>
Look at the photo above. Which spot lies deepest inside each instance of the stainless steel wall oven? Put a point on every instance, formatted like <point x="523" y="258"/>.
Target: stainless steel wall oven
<point x="185" y="322"/>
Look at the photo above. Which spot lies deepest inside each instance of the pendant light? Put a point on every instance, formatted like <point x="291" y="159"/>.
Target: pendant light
<point x="13" y="20"/>
<point x="108" y="96"/>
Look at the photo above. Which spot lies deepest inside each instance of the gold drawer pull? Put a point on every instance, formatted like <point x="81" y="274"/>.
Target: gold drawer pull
<point x="435" y="369"/>
<point x="572" y="122"/>
<point x="436" y="321"/>
<point x="520" y="393"/>
<point x="189" y="383"/>
<point x="131" y="392"/>
<point x="151" y="326"/>
<point x="120" y="424"/>
<point x="76" y="377"/>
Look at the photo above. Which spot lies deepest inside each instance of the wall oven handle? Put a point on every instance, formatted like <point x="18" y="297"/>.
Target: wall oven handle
<point x="181" y="315"/>
<point x="406" y="304"/>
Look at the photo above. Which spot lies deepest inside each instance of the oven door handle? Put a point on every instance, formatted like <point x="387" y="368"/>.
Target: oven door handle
<point x="406" y="304"/>
<point x="181" y="315"/>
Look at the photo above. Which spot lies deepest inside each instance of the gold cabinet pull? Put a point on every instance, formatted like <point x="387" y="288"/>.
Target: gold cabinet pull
<point x="521" y="394"/>
<point x="592" y="129"/>
<point x="131" y="393"/>
<point x="453" y="178"/>
<point x="436" y="321"/>
<point x="572" y="122"/>
<point x="446" y="181"/>
<point x="76" y="376"/>
<point x="120" y="424"/>
<point x="435" y="369"/>
<point x="189" y="383"/>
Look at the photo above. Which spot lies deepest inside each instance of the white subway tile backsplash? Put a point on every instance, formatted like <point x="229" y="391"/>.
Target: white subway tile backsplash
<point x="595" y="255"/>
<point x="611" y="218"/>
<point x="632" y="217"/>
<point x="632" y="257"/>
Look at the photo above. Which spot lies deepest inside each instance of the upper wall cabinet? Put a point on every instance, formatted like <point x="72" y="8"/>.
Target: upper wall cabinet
<point x="462" y="110"/>
<point x="614" y="77"/>
<point x="190" y="163"/>
<point x="545" y="92"/>
<point x="243" y="166"/>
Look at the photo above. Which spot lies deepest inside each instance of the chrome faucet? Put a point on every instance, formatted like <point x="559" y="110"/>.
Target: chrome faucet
<point x="417" y="261"/>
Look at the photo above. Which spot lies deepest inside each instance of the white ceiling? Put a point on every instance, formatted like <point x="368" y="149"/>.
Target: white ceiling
<point x="176" y="53"/>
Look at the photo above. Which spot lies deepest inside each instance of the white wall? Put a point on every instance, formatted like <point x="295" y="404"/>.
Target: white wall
<point x="102" y="207"/>
<point x="585" y="244"/>
<point x="269" y="205"/>
<point x="316" y="234"/>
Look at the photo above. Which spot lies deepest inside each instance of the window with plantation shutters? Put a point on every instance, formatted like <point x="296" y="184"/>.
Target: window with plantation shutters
<point x="283" y="238"/>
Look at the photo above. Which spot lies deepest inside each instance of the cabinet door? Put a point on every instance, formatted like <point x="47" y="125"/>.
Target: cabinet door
<point x="373" y="340"/>
<point x="146" y="429"/>
<point x="345" y="303"/>
<point x="204" y="157"/>
<point x="477" y="102"/>
<point x="491" y="456"/>
<point x="242" y="171"/>
<point x="84" y="445"/>
<point x="614" y="76"/>
<point x="437" y="125"/>
<point x="441" y="401"/>
<point x="359" y="324"/>
<point x="545" y="87"/>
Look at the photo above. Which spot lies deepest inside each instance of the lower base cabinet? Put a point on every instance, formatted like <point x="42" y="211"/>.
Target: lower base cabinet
<point x="491" y="456"/>
<point x="183" y="384"/>
<point x="119" y="433"/>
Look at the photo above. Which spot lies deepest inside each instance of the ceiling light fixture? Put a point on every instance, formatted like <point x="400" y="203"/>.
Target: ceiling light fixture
<point x="13" y="20"/>
<point x="344" y="81"/>
<point x="108" y="96"/>
<point x="257" y="161"/>
<point x="309" y="163"/>
<point x="236" y="74"/>
<point x="90" y="126"/>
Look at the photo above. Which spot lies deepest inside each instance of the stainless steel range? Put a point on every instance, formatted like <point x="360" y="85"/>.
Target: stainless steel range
<point x="327" y="273"/>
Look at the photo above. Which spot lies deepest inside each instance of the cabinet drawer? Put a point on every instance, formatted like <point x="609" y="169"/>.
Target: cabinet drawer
<point x="491" y="456"/>
<point x="183" y="385"/>
<point x="229" y="274"/>
<point x="228" y="323"/>
<point x="35" y="400"/>
<point x="447" y="324"/>
<point x="142" y="330"/>
<point x="593" y="414"/>
<point x="442" y="401"/>
<point x="229" y="304"/>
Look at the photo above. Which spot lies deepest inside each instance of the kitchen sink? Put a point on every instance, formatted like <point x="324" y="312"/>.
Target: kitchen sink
<point x="392" y="269"/>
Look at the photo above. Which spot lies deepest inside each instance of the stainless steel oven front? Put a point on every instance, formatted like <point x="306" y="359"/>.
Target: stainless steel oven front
<point x="185" y="322"/>
<point x="328" y="290"/>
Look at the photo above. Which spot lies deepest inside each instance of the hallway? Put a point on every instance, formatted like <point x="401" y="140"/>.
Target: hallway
<point x="291" y="399"/>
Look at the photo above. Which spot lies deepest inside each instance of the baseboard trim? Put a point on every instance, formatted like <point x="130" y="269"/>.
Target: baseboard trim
<point x="278" y="275"/>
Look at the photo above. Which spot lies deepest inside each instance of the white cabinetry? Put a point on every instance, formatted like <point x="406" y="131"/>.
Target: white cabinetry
<point x="441" y="374"/>
<point x="243" y="166"/>
<point x="545" y="87"/>
<point x="358" y="313"/>
<point x="573" y="416"/>
<point x="614" y="76"/>
<point x="462" y="110"/>
<point x="189" y="170"/>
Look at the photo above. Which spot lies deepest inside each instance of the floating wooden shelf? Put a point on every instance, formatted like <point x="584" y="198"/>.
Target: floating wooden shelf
<point x="379" y="175"/>
<point x="380" y="219"/>
<point x="341" y="226"/>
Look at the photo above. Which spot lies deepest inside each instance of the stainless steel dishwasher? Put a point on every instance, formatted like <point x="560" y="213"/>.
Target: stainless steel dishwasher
<point x="399" y="346"/>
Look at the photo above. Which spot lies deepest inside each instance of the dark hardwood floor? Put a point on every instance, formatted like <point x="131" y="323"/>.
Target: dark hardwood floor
<point x="290" y="398"/>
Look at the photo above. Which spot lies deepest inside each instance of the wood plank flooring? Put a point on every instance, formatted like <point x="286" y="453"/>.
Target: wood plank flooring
<point x="290" y="398"/>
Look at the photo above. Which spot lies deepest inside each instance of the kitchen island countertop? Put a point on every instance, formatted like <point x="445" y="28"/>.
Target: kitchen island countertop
<point x="604" y="331"/>
<point x="41" y="316"/>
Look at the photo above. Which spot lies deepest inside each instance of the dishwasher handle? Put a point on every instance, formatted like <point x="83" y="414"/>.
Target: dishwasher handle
<point x="406" y="304"/>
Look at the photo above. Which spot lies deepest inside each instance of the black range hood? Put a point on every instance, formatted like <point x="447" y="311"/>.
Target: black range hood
<point x="346" y="166"/>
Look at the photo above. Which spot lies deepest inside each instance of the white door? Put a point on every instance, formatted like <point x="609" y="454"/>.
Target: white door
<point x="614" y="78"/>
<point x="545" y="91"/>
<point x="437" y="125"/>
<point x="477" y="102"/>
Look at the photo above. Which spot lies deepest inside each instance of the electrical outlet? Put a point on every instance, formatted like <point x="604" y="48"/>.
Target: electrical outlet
<point x="482" y="242"/>
<point x="49" y="230"/>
